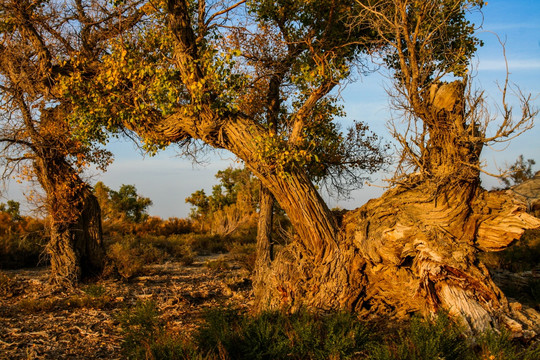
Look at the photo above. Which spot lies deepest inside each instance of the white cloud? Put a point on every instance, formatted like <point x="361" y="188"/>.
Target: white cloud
<point x="511" y="26"/>
<point x="513" y="65"/>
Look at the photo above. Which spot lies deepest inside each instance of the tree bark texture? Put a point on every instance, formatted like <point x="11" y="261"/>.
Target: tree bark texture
<point x="415" y="248"/>
<point x="264" y="250"/>
<point x="408" y="252"/>
<point x="412" y="250"/>
<point x="76" y="240"/>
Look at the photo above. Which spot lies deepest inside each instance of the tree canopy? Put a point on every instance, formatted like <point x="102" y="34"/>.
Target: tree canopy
<point x="124" y="204"/>
<point x="273" y="64"/>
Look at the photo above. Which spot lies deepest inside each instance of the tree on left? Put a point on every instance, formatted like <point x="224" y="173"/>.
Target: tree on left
<point x="40" y="43"/>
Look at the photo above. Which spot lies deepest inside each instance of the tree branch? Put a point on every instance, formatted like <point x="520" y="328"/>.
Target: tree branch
<point x="224" y="11"/>
<point x="299" y="119"/>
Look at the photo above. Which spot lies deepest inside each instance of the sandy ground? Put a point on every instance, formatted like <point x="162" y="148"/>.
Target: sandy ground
<point x="37" y="322"/>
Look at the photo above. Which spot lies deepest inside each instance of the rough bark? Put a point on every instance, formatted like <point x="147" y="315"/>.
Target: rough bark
<point x="408" y="252"/>
<point x="76" y="240"/>
<point x="414" y="250"/>
<point x="76" y="249"/>
<point x="264" y="250"/>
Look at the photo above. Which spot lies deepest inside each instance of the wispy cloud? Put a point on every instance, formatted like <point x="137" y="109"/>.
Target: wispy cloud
<point x="509" y="26"/>
<point x="513" y="65"/>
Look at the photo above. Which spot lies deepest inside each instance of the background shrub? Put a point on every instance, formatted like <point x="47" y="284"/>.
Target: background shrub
<point x="22" y="241"/>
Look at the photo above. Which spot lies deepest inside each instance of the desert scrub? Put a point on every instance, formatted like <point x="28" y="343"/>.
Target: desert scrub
<point x="95" y="290"/>
<point x="175" y="247"/>
<point x="206" y="244"/>
<point x="275" y="335"/>
<point x="500" y="346"/>
<point x="128" y="255"/>
<point x="123" y="260"/>
<point x="22" y="242"/>
<point x="439" y="338"/>
<point x="145" y="336"/>
<point x="231" y="334"/>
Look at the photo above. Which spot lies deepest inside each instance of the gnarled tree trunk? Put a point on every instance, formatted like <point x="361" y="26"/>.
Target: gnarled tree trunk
<point x="412" y="250"/>
<point x="76" y="240"/>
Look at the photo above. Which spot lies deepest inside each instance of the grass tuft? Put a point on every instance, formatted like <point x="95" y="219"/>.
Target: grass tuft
<point x="274" y="335"/>
<point x="145" y="336"/>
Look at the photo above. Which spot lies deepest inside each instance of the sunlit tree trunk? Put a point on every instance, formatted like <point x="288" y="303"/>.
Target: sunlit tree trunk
<point x="412" y="250"/>
<point x="264" y="248"/>
<point x="76" y="241"/>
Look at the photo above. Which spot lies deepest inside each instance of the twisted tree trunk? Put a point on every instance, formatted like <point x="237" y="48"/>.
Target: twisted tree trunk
<point x="412" y="250"/>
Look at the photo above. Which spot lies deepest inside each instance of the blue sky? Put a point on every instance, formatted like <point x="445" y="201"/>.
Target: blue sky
<point x="168" y="179"/>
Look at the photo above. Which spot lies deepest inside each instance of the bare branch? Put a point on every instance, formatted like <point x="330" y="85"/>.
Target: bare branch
<point x="224" y="11"/>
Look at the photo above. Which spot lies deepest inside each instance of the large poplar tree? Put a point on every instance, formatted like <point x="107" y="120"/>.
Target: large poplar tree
<point x="257" y="78"/>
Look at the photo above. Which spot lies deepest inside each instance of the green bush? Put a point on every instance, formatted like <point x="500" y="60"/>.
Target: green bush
<point x="95" y="290"/>
<point x="499" y="346"/>
<point x="231" y="334"/>
<point x="141" y="327"/>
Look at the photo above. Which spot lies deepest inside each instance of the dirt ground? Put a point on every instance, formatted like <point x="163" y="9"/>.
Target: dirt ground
<point x="37" y="322"/>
